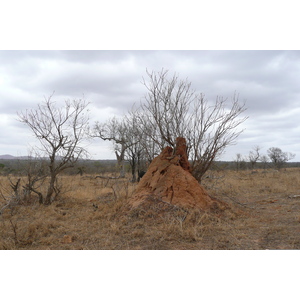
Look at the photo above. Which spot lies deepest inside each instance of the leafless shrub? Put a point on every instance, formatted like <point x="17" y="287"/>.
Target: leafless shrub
<point x="60" y="132"/>
<point x="114" y="130"/>
<point x="254" y="156"/>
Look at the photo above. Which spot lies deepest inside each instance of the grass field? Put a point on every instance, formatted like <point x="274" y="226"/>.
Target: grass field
<point x="93" y="213"/>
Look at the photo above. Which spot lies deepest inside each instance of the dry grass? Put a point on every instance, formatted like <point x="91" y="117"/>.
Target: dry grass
<point x="93" y="214"/>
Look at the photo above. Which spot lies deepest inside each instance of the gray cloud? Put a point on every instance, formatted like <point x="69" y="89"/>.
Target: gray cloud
<point x="111" y="81"/>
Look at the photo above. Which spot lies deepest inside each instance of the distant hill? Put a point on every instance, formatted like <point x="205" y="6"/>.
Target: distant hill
<point x="7" y="156"/>
<point x="11" y="157"/>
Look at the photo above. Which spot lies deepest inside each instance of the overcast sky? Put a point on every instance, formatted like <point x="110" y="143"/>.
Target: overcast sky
<point x="111" y="80"/>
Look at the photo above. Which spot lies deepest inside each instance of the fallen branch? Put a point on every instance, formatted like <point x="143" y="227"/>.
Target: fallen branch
<point x="104" y="177"/>
<point x="237" y="202"/>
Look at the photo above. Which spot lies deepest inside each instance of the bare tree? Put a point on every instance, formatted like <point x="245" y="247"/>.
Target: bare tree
<point x="125" y="133"/>
<point x="264" y="160"/>
<point x="137" y="150"/>
<point x="254" y="156"/>
<point x="60" y="131"/>
<point x="213" y="127"/>
<point x="278" y="157"/>
<point x="173" y="109"/>
<point x="239" y="162"/>
<point x="28" y="178"/>
<point x="114" y="130"/>
<point x="149" y="135"/>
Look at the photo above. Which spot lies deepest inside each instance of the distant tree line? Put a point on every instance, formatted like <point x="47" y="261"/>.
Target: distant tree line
<point x="17" y="167"/>
<point x="274" y="158"/>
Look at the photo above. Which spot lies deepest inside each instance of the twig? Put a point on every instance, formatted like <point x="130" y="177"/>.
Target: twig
<point x="115" y="194"/>
<point x="245" y="205"/>
<point x="4" y="208"/>
<point x="15" y="227"/>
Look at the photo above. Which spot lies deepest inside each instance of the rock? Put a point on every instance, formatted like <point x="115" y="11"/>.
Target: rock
<point x="168" y="179"/>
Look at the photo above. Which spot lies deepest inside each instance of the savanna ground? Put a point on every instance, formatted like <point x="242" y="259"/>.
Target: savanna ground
<point x="92" y="213"/>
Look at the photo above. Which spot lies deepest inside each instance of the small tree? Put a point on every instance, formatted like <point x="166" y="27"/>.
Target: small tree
<point x="114" y="130"/>
<point x="278" y="157"/>
<point x="254" y="156"/>
<point x="60" y="132"/>
<point x="125" y="133"/>
<point x="137" y="151"/>
<point x="35" y="171"/>
<point x="264" y="160"/>
<point x="239" y="162"/>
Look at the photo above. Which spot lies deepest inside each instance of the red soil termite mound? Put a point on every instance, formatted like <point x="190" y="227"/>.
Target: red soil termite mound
<point x="168" y="179"/>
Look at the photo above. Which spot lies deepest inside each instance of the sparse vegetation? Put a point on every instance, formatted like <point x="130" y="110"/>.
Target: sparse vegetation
<point x="93" y="214"/>
<point x="173" y="109"/>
